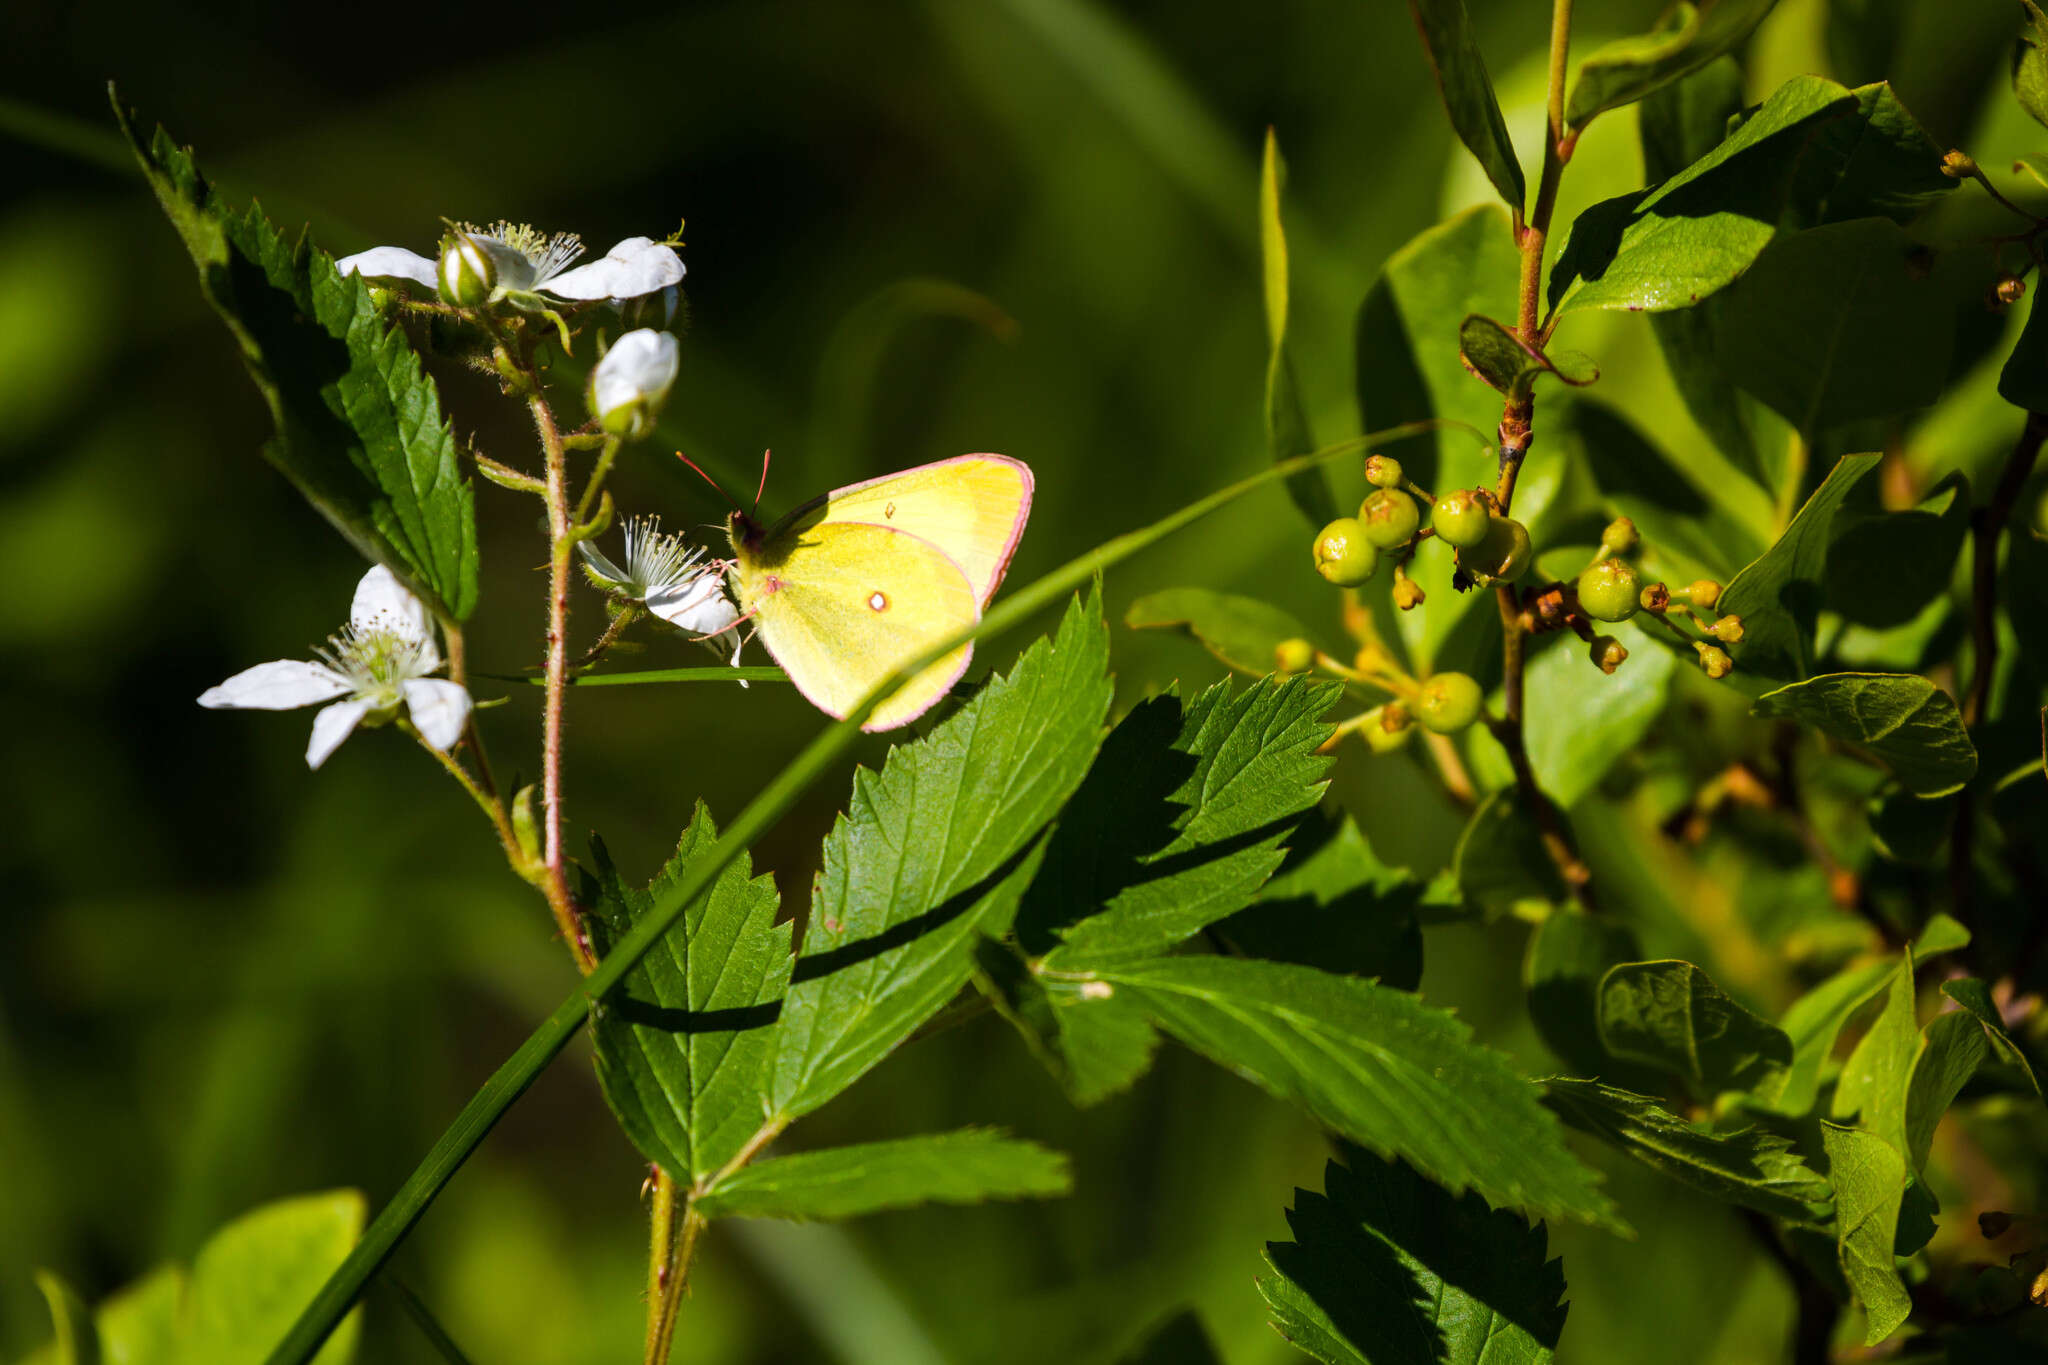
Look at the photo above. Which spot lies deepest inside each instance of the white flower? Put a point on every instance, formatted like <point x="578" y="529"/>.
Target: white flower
<point x="670" y="579"/>
<point x="379" y="662"/>
<point x="528" y="261"/>
<point x="628" y="386"/>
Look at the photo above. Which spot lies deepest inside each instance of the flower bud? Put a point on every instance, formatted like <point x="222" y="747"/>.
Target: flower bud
<point x="1383" y="471"/>
<point x="2010" y="289"/>
<point x="1620" y="536"/>
<point x="1607" y="653"/>
<point x="1408" y="594"/>
<point x="468" y="272"/>
<point x="1728" y="630"/>
<point x="1386" y="728"/>
<point x="1293" y="656"/>
<point x="1714" y="660"/>
<point x="1703" y="593"/>
<point x="631" y="383"/>
<point x="1958" y="165"/>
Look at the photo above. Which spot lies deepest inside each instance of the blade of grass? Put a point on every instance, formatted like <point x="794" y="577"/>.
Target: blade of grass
<point x="511" y="1079"/>
<point x="424" y="1319"/>
<point x="726" y="673"/>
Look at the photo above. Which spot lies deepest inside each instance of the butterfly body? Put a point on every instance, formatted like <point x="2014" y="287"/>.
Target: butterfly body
<point x="853" y="585"/>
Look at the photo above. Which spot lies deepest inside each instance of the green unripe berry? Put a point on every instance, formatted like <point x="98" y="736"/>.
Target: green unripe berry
<point x="1609" y="590"/>
<point x="1386" y="728"/>
<point x="1390" y="518"/>
<point x="1620" y="536"/>
<point x="1448" y="703"/>
<point x="1343" y="554"/>
<point x="1703" y="593"/>
<point x="1503" y="554"/>
<point x="1383" y="471"/>
<point x="1460" y="518"/>
<point x="1293" y="656"/>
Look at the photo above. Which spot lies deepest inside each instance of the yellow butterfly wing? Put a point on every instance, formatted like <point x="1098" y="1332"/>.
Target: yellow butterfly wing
<point x="841" y="607"/>
<point x="972" y="507"/>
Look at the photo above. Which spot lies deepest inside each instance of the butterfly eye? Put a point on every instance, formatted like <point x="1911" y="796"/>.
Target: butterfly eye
<point x="878" y="602"/>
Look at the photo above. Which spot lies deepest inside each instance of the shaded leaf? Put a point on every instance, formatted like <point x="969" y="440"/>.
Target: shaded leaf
<point x="1952" y="1047"/>
<point x="1872" y="1090"/>
<point x="1687" y="38"/>
<point x="1975" y="997"/>
<point x="1500" y="860"/>
<point x="1778" y="596"/>
<point x="933" y="850"/>
<point x="1334" y="905"/>
<point x="970" y="1166"/>
<point x="78" y="1339"/>
<point x="684" y="1046"/>
<point x="1883" y="568"/>
<point x="1287" y="430"/>
<point x="254" y="1276"/>
<point x="1510" y="365"/>
<point x="1376" y="1065"/>
<point x="2023" y="381"/>
<point x="1180" y="1340"/>
<point x="1243" y="632"/>
<point x="1746" y="1166"/>
<point x="1671" y="1015"/>
<point x="1869" y="1177"/>
<point x="1179" y="823"/>
<point x="2030" y="64"/>
<point x="1388" y="1269"/>
<point x="1094" y="1041"/>
<point x="1461" y="78"/>
<point x="359" y="425"/>
<point x="1568" y="954"/>
<point x="1902" y="718"/>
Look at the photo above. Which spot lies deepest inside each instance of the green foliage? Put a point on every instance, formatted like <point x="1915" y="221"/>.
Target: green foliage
<point x="1687" y="38"/>
<point x="1975" y="997"/>
<point x="1500" y="860"/>
<point x="932" y="851"/>
<point x="967" y="1167"/>
<point x="1885" y="567"/>
<point x="685" y="1046"/>
<point x="1671" y="1015"/>
<point x="1453" y="52"/>
<point x="1093" y="1041"/>
<point x="359" y="425"/>
<point x="78" y="1340"/>
<point x="1180" y="1340"/>
<point x="1287" y="429"/>
<point x="1243" y="632"/>
<point x="1333" y="904"/>
<point x="1568" y="955"/>
<point x="1387" y="1268"/>
<point x="2030" y="64"/>
<point x="1905" y="720"/>
<point x="1581" y="725"/>
<point x="1495" y="354"/>
<point x="1778" y="596"/>
<point x="1746" y="1166"/>
<point x="2023" y="381"/>
<point x="1869" y="1178"/>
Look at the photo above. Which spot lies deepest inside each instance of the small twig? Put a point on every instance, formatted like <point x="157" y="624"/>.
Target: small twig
<point x="628" y="613"/>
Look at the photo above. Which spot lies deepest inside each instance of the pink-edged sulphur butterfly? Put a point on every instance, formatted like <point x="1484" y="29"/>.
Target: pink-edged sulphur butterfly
<point x="851" y="586"/>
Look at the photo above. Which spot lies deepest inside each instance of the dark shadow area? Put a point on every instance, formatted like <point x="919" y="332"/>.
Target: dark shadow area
<point x="1327" y="914"/>
<point x="648" y="1014"/>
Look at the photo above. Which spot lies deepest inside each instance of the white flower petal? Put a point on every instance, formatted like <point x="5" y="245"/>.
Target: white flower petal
<point x="698" y="604"/>
<point x="636" y="266"/>
<point x="639" y="368"/>
<point x="384" y="603"/>
<point x="333" y="725"/>
<point x="281" y="685"/>
<point x="439" y="708"/>
<point x="390" y="263"/>
<point x="599" y="565"/>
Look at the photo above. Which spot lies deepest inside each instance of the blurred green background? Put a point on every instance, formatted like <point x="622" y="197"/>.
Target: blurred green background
<point x="228" y="980"/>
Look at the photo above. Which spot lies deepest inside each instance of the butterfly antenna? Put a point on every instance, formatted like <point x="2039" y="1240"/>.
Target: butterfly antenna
<point x="764" y="479"/>
<point x="699" y="470"/>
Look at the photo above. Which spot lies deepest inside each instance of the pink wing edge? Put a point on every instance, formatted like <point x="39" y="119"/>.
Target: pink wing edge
<point x="1016" y="530"/>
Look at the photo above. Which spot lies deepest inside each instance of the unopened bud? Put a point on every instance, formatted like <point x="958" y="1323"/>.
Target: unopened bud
<point x="1395" y="717"/>
<point x="2010" y="289"/>
<point x="1655" y="597"/>
<point x="1383" y="471"/>
<point x="1715" y="660"/>
<point x="467" y="273"/>
<point x="525" y="825"/>
<point x="631" y="383"/>
<point x="1728" y="630"/>
<point x="1608" y="653"/>
<point x="1620" y="536"/>
<point x="1408" y="594"/>
<point x="1958" y="165"/>
<point x="1293" y="656"/>
<point x="1703" y="593"/>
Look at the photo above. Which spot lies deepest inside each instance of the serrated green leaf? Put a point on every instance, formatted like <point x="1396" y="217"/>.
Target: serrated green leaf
<point x="1287" y="429"/>
<point x="1747" y="1166"/>
<point x="1180" y="1340"/>
<point x="1568" y="954"/>
<point x="2030" y="64"/>
<point x="1507" y="364"/>
<point x="1179" y="823"/>
<point x="1243" y="632"/>
<point x="1671" y="1015"/>
<point x="359" y="427"/>
<point x="1093" y="1041"/>
<point x="1687" y="38"/>
<point x="1334" y="905"/>
<point x="78" y="1339"/>
<point x="1814" y="153"/>
<point x="1975" y="997"/>
<point x="1869" y="1177"/>
<point x="1837" y="324"/>
<point x="1461" y="78"/>
<point x="1778" y="596"/>
<point x="1872" y="1090"/>
<point x="970" y="1166"/>
<point x="1388" y="1269"/>
<point x="1500" y="861"/>
<point x="1378" y="1066"/>
<point x="685" y="1044"/>
<point x="1883" y="568"/>
<point x="1904" y="719"/>
<point x="932" y="851"/>
<point x="253" y="1277"/>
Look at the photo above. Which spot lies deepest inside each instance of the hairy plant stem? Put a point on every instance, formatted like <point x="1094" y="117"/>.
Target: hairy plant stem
<point x="672" y="1245"/>
<point x="628" y="614"/>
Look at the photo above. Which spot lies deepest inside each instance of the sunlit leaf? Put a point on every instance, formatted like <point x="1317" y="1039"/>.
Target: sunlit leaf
<point x="1872" y="1090"/>
<point x="1453" y="51"/>
<point x="252" y="1278"/>
<point x="2023" y="381"/>
<point x="971" y="1166"/>
<point x="1582" y="722"/>
<point x="1287" y="429"/>
<point x="2030" y="64"/>
<point x="1903" y="719"/>
<point x="1869" y="1178"/>
<point x="1687" y="38"/>
<point x="78" y="1339"/>
<point x="1094" y="1041"/>
<point x="1952" y="1047"/>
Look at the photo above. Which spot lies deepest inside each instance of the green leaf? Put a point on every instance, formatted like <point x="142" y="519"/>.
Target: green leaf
<point x="1952" y="1047"/>
<point x="359" y="423"/>
<point x="1869" y="1177"/>
<point x="1903" y="719"/>
<point x="1500" y="861"/>
<point x="253" y="1276"/>
<point x="2034" y="165"/>
<point x="1568" y="954"/>
<point x="1510" y="365"/>
<point x="1581" y="722"/>
<point x="1378" y="1066"/>
<point x="1180" y="821"/>
<point x="1094" y="1041"/>
<point x="1815" y="153"/>
<point x="933" y="850"/>
<point x="1746" y="1166"/>
<point x="1670" y="1014"/>
<point x="1460" y="72"/>
<point x="1815" y="1021"/>
<point x="1872" y="1089"/>
<point x="139" y="1324"/>
<point x="1388" y="1269"/>
<point x="1287" y="429"/>
<point x="1975" y="997"/>
<point x="78" y="1340"/>
<point x="970" y="1166"/>
<point x="1243" y="632"/>
<point x="1837" y="324"/>
<point x="1883" y="568"/>
<point x="1687" y="38"/>
<point x="1778" y="596"/>
<point x="1334" y="905"/>
<point x="2030" y="64"/>
<point x="684" y="1046"/>
<point x="2023" y="381"/>
<point x="1180" y="1340"/>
